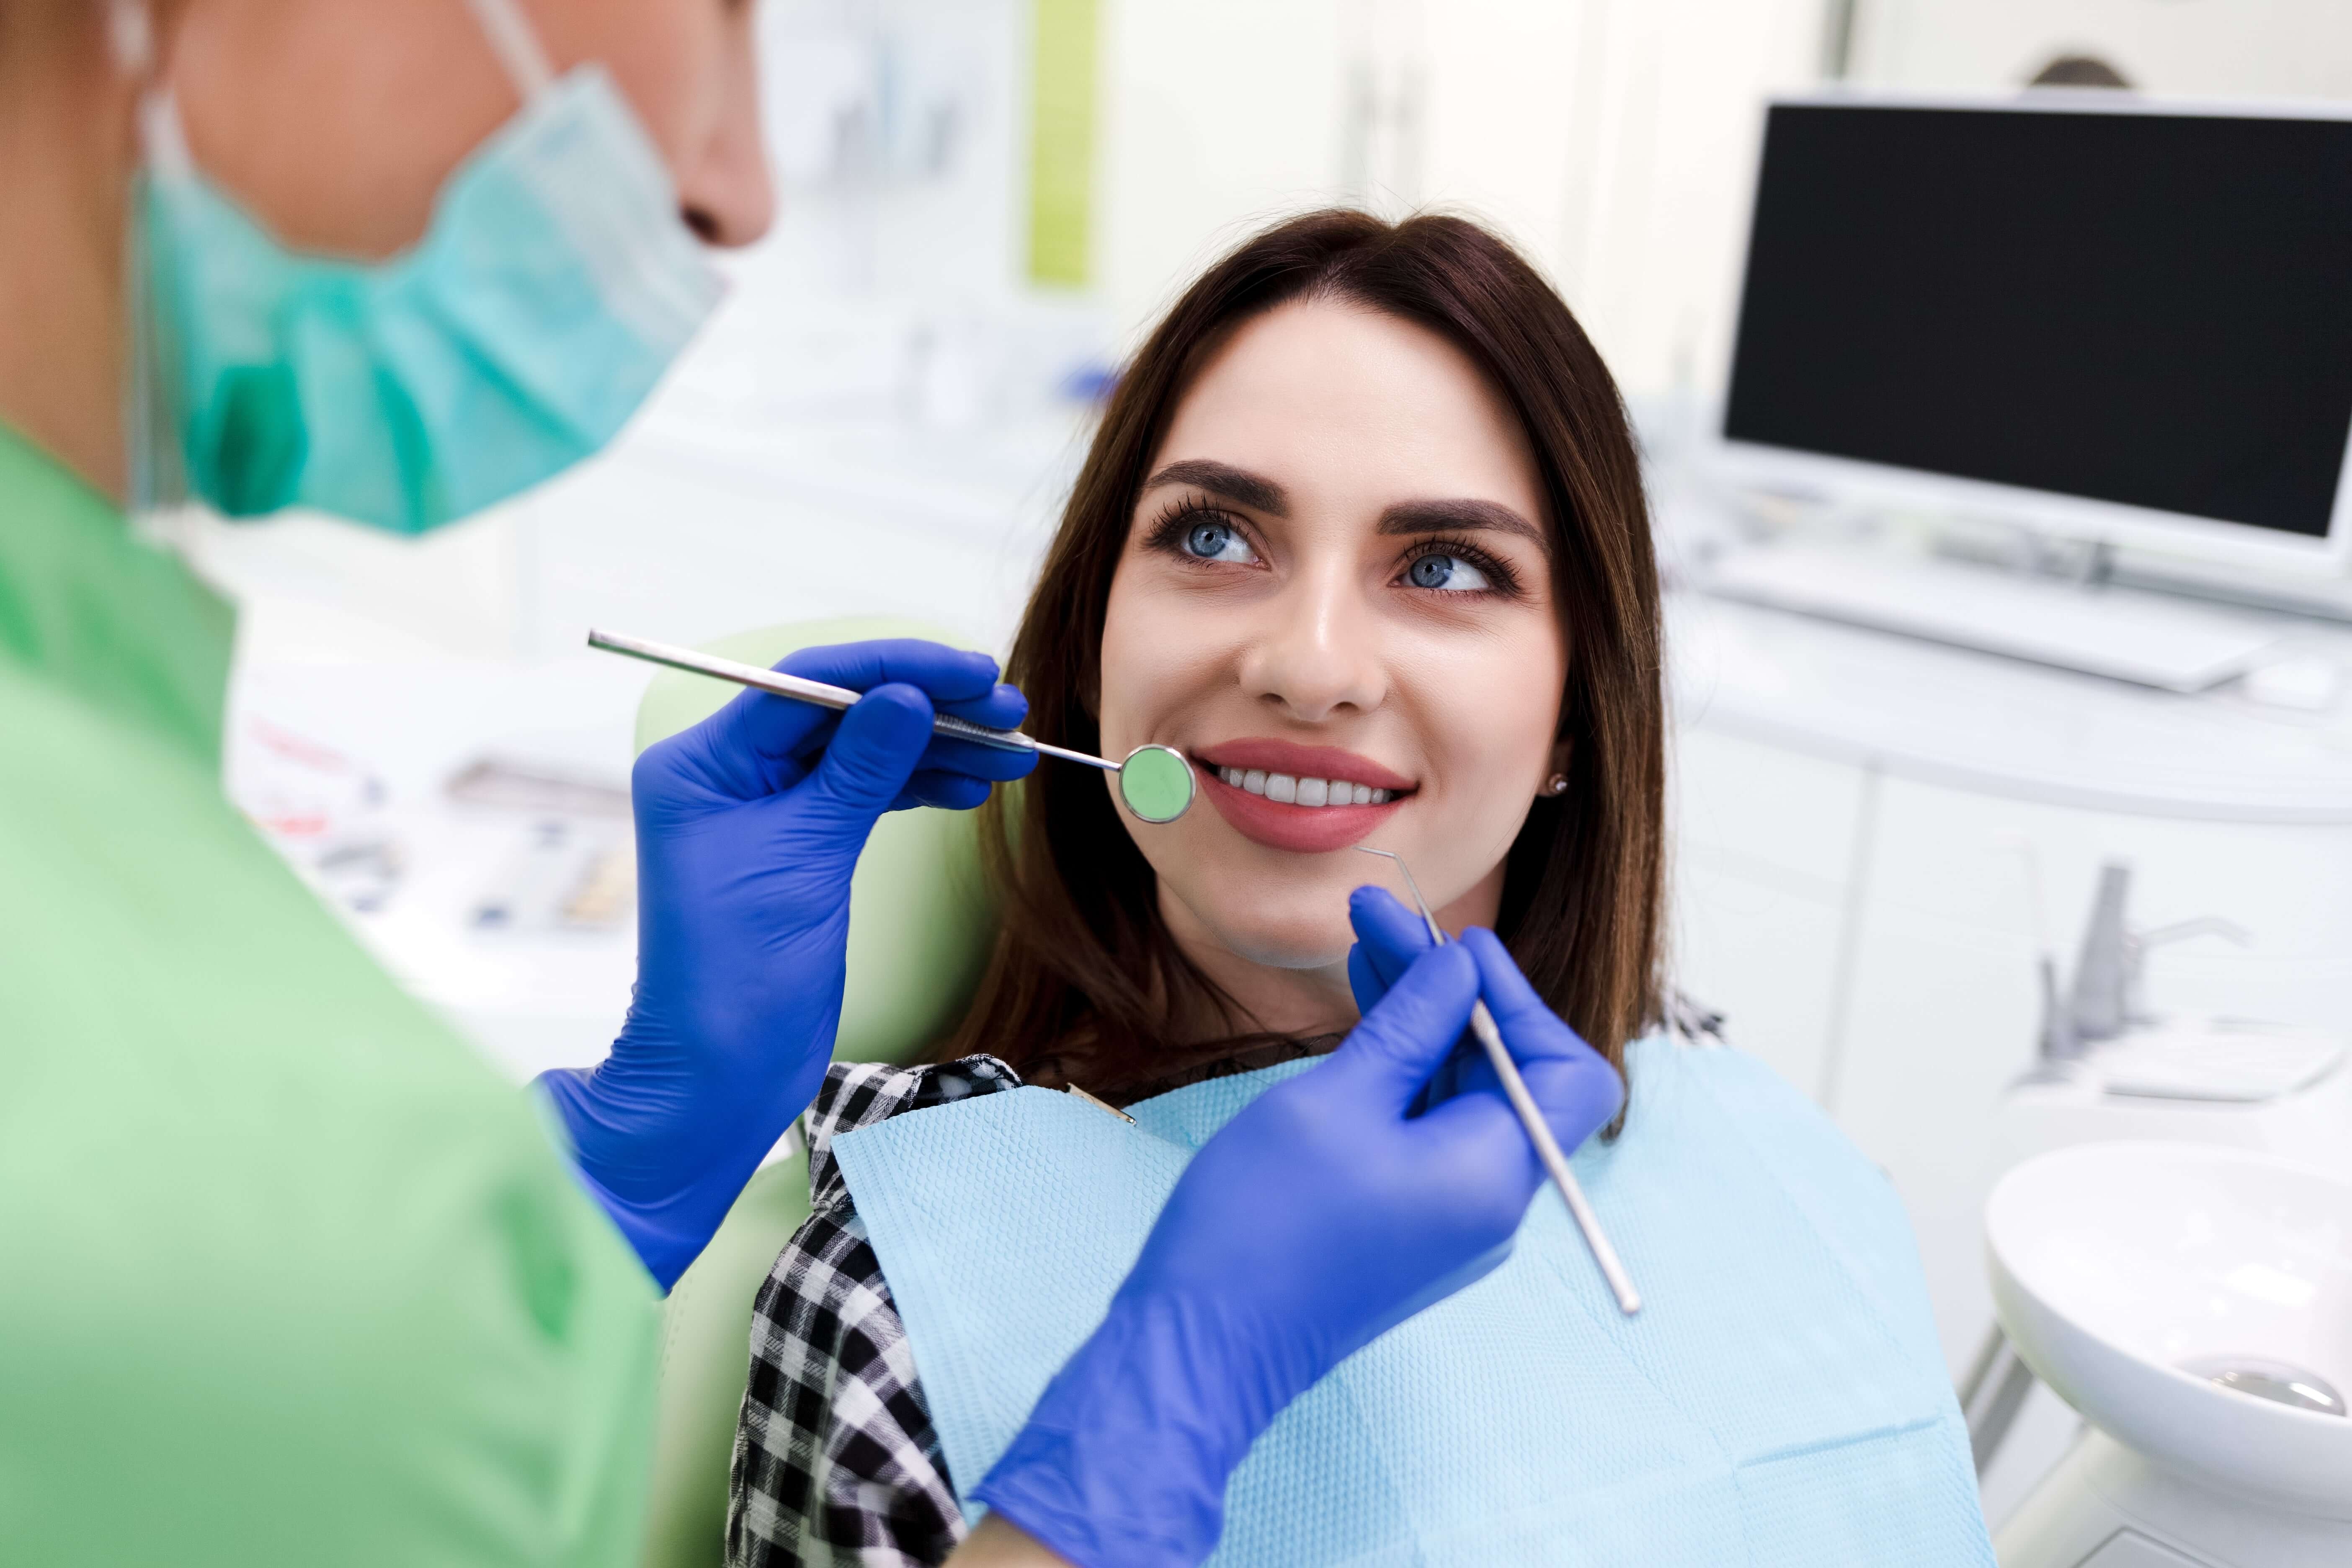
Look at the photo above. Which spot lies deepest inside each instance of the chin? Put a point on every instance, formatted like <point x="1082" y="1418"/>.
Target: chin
<point x="1315" y="934"/>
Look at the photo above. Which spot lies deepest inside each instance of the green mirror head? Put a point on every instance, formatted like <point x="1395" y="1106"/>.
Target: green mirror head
<point x="1156" y="782"/>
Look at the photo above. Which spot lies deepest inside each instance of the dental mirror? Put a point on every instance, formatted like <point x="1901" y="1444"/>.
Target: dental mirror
<point x="1155" y="781"/>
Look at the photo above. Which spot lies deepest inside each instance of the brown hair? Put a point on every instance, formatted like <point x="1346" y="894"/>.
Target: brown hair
<point x="1085" y="974"/>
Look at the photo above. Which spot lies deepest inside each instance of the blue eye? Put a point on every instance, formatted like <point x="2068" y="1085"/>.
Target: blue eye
<point x="1214" y="540"/>
<point x="1450" y="572"/>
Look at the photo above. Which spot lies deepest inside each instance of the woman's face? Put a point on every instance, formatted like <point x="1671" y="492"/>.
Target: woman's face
<point x="1336" y="582"/>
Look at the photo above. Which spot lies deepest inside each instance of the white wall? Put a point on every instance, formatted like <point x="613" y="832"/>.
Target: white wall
<point x="1613" y="139"/>
<point x="2262" y="48"/>
<point x="1216" y="114"/>
<point x="1654" y="228"/>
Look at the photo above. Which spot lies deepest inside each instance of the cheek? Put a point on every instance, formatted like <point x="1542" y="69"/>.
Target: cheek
<point x="1158" y="653"/>
<point x="1489" y="711"/>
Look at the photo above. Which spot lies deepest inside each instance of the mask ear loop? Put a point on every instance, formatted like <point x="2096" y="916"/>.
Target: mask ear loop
<point x="516" y="42"/>
<point x="154" y="470"/>
<point x="130" y="37"/>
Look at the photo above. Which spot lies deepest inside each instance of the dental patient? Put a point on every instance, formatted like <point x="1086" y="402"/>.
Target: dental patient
<point x="1362" y="534"/>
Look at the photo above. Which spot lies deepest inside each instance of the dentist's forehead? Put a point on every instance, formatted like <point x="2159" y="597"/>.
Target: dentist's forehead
<point x="1341" y="404"/>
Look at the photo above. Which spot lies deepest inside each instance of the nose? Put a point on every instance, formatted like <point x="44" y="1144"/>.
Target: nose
<point x="1315" y="653"/>
<point x="727" y="195"/>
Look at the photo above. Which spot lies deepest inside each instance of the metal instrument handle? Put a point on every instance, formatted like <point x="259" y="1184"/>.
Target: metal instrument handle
<point x="1531" y="1114"/>
<point x="838" y="698"/>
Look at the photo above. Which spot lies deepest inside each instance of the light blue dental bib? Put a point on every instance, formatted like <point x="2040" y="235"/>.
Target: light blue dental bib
<point x="1781" y="1400"/>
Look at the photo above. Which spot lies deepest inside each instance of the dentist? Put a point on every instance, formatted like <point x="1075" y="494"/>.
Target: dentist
<point x="286" y="1274"/>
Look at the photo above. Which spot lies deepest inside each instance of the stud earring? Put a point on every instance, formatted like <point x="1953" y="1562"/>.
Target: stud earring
<point x="1556" y="785"/>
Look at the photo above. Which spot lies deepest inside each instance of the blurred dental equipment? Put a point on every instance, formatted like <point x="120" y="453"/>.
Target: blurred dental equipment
<point x="2162" y="1247"/>
<point x="2109" y="1068"/>
<point x="574" y="868"/>
<point x="2187" y="1301"/>
<point x="323" y="810"/>
<point x="1155" y="781"/>
<point x="2170" y="648"/>
<point x="1547" y="1149"/>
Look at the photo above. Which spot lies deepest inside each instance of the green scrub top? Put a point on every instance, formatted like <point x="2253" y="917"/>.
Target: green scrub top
<point x="288" y="1275"/>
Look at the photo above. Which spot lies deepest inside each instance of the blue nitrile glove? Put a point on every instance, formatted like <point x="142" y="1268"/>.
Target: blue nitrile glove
<point x="1389" y="937"/>
<point x="748" y="825"/>
<point x="1322" y="1216"/>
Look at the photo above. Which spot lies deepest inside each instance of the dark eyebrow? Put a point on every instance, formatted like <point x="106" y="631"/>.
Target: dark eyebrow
<point x="1237" y="485"/>
<point x="1432" y="516"/>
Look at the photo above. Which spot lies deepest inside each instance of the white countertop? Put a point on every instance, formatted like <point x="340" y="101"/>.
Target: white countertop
<point x="1985" y="722"/>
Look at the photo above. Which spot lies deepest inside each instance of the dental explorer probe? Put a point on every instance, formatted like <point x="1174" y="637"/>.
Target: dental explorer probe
<point x="1155" y="781"/>
<point x="1482" y="1024"/>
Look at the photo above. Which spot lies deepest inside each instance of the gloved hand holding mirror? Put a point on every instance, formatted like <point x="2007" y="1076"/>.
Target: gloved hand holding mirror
<point x="1155" y="782"/>
<point x="749" y="827"/>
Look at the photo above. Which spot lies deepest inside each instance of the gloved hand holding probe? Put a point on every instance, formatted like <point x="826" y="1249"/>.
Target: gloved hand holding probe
<point x="748" y="825"/>
<point x="1238" y="1305"/>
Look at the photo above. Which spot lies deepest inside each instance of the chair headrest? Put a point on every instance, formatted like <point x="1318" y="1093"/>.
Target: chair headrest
<point x="921" y="920"/>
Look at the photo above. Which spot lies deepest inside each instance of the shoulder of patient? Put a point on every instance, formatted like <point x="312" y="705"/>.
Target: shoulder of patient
<point x="861" y="1094"/>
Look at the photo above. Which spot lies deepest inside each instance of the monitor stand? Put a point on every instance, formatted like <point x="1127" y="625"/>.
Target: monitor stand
<point x="2103" y="629"/>
<point x="2319" y="594"/>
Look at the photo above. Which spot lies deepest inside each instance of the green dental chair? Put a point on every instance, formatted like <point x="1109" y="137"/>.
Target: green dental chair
<point x="921" y="926"/>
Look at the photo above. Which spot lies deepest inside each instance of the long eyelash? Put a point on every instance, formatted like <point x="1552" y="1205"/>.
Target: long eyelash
<point x="1179" y="517"/>
<point x="1497" y="570"/>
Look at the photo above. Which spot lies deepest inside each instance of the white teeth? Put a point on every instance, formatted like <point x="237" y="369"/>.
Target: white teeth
<point x="1291" y="791"/>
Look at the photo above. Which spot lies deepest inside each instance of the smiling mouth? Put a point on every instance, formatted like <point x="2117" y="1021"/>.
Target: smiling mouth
<point x="1301" y="812"/>
<point x="1285" y="789"/>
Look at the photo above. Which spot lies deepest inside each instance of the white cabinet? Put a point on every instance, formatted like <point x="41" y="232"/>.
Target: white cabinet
<point x="1762" y="872"/>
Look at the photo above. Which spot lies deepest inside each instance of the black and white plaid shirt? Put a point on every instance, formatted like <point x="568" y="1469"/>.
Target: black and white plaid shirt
<point x="836" y="1462"/>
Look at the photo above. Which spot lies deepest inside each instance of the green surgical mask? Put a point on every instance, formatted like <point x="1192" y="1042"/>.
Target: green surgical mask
<point x="554" y="285"/>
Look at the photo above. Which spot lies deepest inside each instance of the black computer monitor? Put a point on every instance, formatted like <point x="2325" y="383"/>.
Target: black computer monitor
<point x="2104" y="315"/>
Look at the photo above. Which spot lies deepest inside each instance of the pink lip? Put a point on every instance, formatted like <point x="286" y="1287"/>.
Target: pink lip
<point x="1301" y="829"/>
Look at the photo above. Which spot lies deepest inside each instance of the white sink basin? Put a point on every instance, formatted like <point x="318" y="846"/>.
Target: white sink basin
<point x="2115" y="1265"/>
